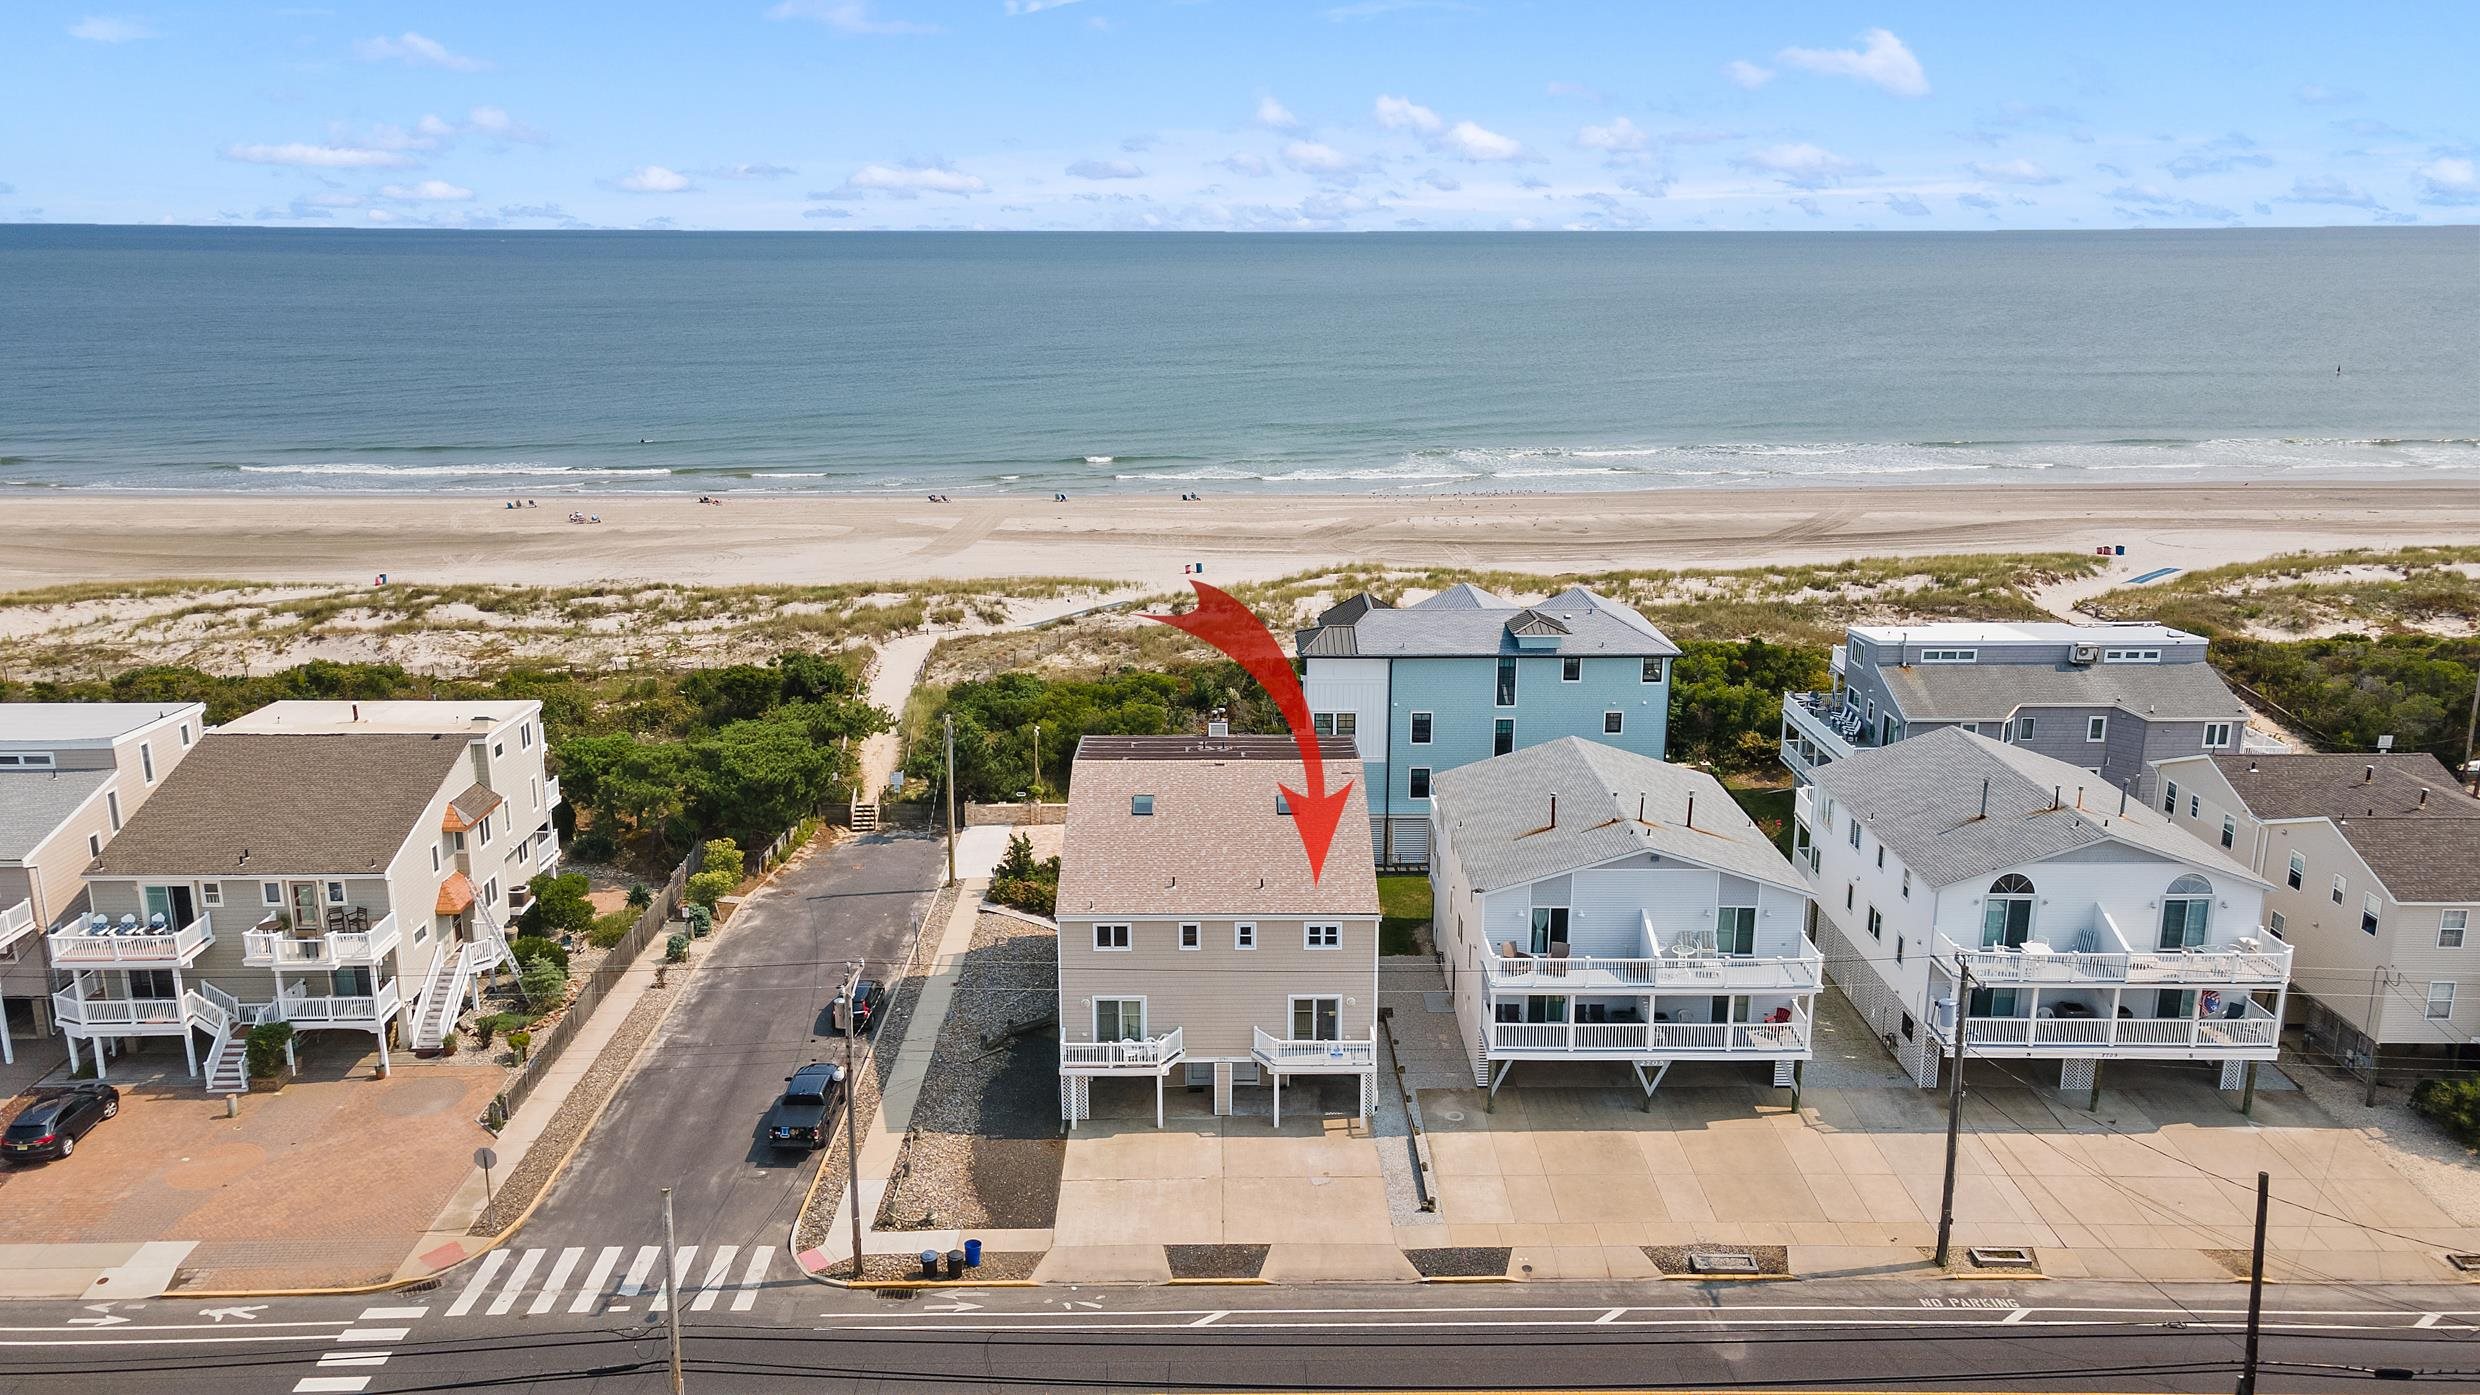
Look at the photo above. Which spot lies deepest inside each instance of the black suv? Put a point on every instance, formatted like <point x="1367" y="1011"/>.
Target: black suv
<point x="799" y="1119"/>
<point x="51" y="1126"/>
<point x="867" y="995"/>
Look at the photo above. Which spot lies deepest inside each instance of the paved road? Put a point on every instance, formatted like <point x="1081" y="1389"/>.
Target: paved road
<point x="796" y="1336"/>
<point x="754" y="1010"/>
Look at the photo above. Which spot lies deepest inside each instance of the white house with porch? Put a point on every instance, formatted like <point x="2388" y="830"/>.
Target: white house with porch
<point x="1596" y="905"/>
<point x="2085" y="927"/>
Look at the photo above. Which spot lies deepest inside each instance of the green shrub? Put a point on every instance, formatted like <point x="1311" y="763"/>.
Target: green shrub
<point x="611" y="929"/>
<point x="518" y="1041"/>
<point x="559" y="906"/>
<point x="528" y="948"/>
<point x="701" y="920"/>
<point x="676" y="949"/>
<point x="1023" y="883"/>
<point x="492" y="1024"/>
<point x="264" y="1048"/>
<point x="543" y="983"/>
<point x="725" y="856"/>
<point x="706" y="888"/>
<point x="640" y="897"/>
<point x="594" y="845"/>
<point x="2454" y="1102"/>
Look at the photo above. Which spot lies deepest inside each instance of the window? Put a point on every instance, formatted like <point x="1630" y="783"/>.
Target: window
<point x="2170" y="797"/>
<point x="1881" y="857"/>
<point x="1502" y="736"/>
<point x="535" y="783"/>
<point x="1110" y="937"/>
<point x="1317" y="1019"/>
<point x="1898" y="949"/>
<point x="2278" y="923"/>
<point x="1423" y="725"/>
<point x="1907" y="883"/>
<point x="1735" y="930"/>
<point x="1907" y="1026"/>
<point x="1877" y="924"/>
<point x="490" y="891"/>
<point x="2216" y="734"/>
<point x="498" y="749"/>
<point x="2096" y="728"/>
<point x="112" y="807"/>
<point x="1855" y="832"/>
<point x="525" y="737"/>
<point x="1416" y="782"/>
<point x="1335" y="723"/>
<point x="2006" y="912"/>
<point x="1549" y="928"/>
<point x="146" y="762"/>
<point x="2023" y="728"/>
<point x="2450" y="928"/>
<point x="2186" y="913"/>
<point x="2368" y="908"/>
<point x="2230" y="831"/>
<point x="1972" y="727"/>
<point x="1141" y="805"/>
<point x="271" y="893"/>
<point x="211" y="894"/>
<point x="1506" y="684"/>
<point x="434" y="857"/>
<point x="1949" y="656"/>
<point x="1244" y="935"/>
<point x="1652" y="672"/>
<point x="94" y="845"/>
<point x="1282" y="803"/>
<point x="485" y="829"/>
<point x="2131" y="656"/>
<point x="1571" y="670"/>
<point x="1613" y="723"/>
<point x="27" y="760"/>
<point x="335" y="893"/>
<point x="1847" y="894"/>
<point x="2299" y="871"/>
<point x="184" y="736"/>
<point x="1327" y="935"/>
<point x="2339" y="884"/>
<point x="2195" y="807"/>
<point x="1119" y="1019"/>
<point x="1192" y="935"/>
<point x="2441" y="999"/>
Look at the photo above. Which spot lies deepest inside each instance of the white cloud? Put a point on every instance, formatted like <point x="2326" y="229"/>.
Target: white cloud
<point x="847" y="17"/>
<point x="2011" y="172"/>
<point x="908" y="181"/>
<point x="1908" y="205"/>
<point x="496" y="123"/>
<point x="653" y="179"/>
<point x="1105" y="169"/>
<point x="1982" y="202"/>
<point x="2150" y="201"/>
<point x="1810" y="207"/>
<point x="416" y="51"/>
<point x="2449" y="179"/>
<point x="1035" y="7"/>
<point x="1439" y="180"/>
<point x="1619" y="137"/>
<point x="1254" y="166"/>
<point x="1312" y="157"/>
<point x="748" y="172"/>
<point x="319" y="157"/>
<point x="1801" y="165"/>
<point x="1275" y="116"/>
<point x="428" y="191"/>
<point x="1881" y="59"/>
<point x="2317" y="94"/>
<point x="2331" y="189"/>
<point x="1403" y="114"/>
<point x="1747" y="75"/>
<point x="1478" y="143"/>
<point x="103" y="29"/>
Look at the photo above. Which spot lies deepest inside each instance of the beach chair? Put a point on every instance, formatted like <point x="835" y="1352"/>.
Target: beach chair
<point x="129" y="925"/>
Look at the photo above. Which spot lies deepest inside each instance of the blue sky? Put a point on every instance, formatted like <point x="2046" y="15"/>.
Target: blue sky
<point x="1222" y="114"/>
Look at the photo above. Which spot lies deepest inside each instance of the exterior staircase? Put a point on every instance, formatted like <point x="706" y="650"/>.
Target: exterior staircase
<point x="452" y="977"/>
<point x="228" y="1056"/>
<point x="865" y="816"/>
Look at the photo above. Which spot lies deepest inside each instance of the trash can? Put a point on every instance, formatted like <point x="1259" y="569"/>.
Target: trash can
<point x="955" y="1264"/>
<point x="972" y="1254"/>
<point x="929" y="1264"/>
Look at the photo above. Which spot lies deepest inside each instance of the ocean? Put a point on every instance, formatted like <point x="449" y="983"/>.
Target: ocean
<point x="186" y="359"/>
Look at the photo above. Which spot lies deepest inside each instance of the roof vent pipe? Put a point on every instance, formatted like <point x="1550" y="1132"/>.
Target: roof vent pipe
<point x="2057" y="796"/>
<point x="1691" y="809"/>
<point x="2370" y="777"/>
<point x="357" y="712"/>
<point x="1554" y="809"/>
<point x="1640" y="805"/>
<point x="2122" y="801"/>
<point x="1984" y="799"/>
<point x="2423" y="796"/>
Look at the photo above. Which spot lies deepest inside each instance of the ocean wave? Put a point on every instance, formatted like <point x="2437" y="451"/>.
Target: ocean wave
<point x="526" y="468"/>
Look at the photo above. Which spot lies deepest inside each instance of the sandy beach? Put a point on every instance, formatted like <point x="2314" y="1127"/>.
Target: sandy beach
<point x="49" y="539"/>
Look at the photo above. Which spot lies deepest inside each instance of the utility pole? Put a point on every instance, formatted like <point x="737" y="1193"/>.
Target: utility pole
<point x="671" y="1287"/>
<point x="1954" y="1111"/>
<point x="1037" y="757"/>
<point x="852" y="1121"/>
<point x="2471" y="728"/>
<point x="949" y="722"/>
<point x="2376" y="1014"/>
<point x="2256" y="1284"/>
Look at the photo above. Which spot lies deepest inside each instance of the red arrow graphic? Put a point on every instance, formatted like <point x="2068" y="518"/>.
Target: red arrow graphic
<point x="1231" y="627"/>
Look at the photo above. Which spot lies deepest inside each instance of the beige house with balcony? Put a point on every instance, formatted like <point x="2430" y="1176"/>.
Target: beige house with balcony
<point x="1192" y="937"/>
<point x="71" y="774"/>
<point x="335" y="866"/>
<point x="1597" y="905"/>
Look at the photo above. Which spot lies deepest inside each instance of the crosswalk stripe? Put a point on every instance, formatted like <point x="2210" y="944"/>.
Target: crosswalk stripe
<point x="516" y="1283"/>
<point x="330" y="1385"/>
<point x="634" y="1283"/>
<point x="711" y="1287"/>
<point x="369" y="1314"/>
<point x="353" y="1358"/>
<point x="591" y="1291"/>
<point x="751" y="1277"/>
<point x="680" y="1266"/>
<point x="482" y="1279"/>
<point x="557" y="1279"/>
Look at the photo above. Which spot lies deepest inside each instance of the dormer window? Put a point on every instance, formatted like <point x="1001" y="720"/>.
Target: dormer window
<point x="1950" y="656"/>
<point x="2131" y="656"/>
<point x="1141" y="805"/>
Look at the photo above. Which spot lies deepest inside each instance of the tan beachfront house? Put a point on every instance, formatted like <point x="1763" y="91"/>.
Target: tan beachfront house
<point x="1191" y="936"/>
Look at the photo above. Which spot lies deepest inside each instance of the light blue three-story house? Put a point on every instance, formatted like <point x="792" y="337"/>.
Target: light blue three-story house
<point x="1466" y="675"/>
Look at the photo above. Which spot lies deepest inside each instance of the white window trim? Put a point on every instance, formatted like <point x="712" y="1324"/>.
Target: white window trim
<point x="1426" y="777"/>
<point x="1127" y="937"/>
<point x="1145" y="1025"/>
<point x="2277" y="923"/>
<point x="2430" y="1012"/>
<point x="1949" y="656"/>
<point x="2096" y="728"/>
<point x="1244" y="934"/>
<point x="1192" y="936"/>
<point x="211" y="894"/>
<point x="2461" y="928"/>
<point x="1614" y="723"/>
<point x="1309" y="934"/>
<point x="271" y="893"/>
<point x="2216" y="735"/>
<point x="1291" y="1014"/>
<point x="2342" y="888"/>
<point x="146" y="761"/>
<point x="2131" y="656"/>
<point x="335" y="893"/>
<point x="1653" y="670"/>
<point x="1568" y="661"/>
<point x="1412" y="729"/>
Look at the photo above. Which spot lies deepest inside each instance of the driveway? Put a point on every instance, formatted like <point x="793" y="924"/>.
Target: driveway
<point x="688" y="1116"/>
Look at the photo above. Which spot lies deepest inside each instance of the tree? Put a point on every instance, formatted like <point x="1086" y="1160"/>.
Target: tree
<point x="559" y="906"/>
<point x="725" y="856"/>
<point x="544" y="984"/>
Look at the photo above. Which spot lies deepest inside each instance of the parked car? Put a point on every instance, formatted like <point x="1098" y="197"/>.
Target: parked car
<point x="799" y="1119"/>
<point x="51" y="1126"/>
<point x="867" y="996"/>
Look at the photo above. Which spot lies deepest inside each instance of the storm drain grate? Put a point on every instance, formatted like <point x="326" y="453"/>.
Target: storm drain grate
<point x="2469" y="1264"/>
<point x="1723" y="1262"/>
<point x="2000" y="1256"/>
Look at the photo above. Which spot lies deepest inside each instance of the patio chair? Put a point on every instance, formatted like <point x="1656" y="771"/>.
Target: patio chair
<point x="99" y="924"/>
<point x="358" y="919"/>
<point x="129" y="925"/>
<point x="155" y="922"/>
<point x="335" y="919"/>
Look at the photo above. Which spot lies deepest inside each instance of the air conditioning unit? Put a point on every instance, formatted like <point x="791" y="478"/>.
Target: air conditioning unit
<point x="2085" y="654"/>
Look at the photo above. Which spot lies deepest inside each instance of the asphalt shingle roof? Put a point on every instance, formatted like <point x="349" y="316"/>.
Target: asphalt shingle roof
<point x="1214" y="844"/>
<point x="1465" y="619"/>
<point x="1922" y="798"/>
<point x="1611" y="804"/>
<point x="2190" y="692"/>
<point x="299" y="805"/>
<point x="33" y="803"/>
<point x="2403" y="813"/>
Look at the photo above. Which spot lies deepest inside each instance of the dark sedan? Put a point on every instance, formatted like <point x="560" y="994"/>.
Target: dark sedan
<point x="51" y="1126"/>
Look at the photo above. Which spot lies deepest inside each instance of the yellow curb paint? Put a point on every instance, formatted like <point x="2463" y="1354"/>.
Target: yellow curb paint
<point x="1228" y="1283"/>
<point x="902" y="1284"/>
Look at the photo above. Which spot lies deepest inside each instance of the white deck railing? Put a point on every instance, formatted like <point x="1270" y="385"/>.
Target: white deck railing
<point x="2255" y="1031"/>
<point x="277" y="949"/>
<point x="71" y="1010"/>
<point x="1654" y="1038"/>
<point x="1670" y="973"/>
<point x="16" y="922"/>
<point x="80" y="945"/>
<point x="355" y="1011"/>
<point x="1810" y="737"/>
<point x="1146" y="1053"/>
<point x="2036" y="964"/>
<point x="1296" y="1054"/>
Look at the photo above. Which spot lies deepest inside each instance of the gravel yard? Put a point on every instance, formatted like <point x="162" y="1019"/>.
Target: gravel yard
<point x="985" y="1148"/>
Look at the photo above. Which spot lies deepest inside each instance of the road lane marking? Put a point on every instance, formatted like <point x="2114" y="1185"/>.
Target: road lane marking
<point x="557" y="1280"/>
<point x="515" y="1286"/>
<point x="712" y="1288"/>
<point x="1612" y="1316"/>
<point x="681" y="1262"/>
<point x="369" y="1314"/>
<point x="1208" y="1319"/>
<point x="751" y="1278"/>
<point x="331" y="1385"/>
<point x="634" y="1282"/>
<point x="481" y="1280"/>
<point x="592" y="1289"/>
<point x="373" y="1334"/>
<point x="2012" y="1318"/>
<point x="354" y="1358"/>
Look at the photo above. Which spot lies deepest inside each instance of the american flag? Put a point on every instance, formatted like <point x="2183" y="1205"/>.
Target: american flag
<point x="2208" y="1004"/>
